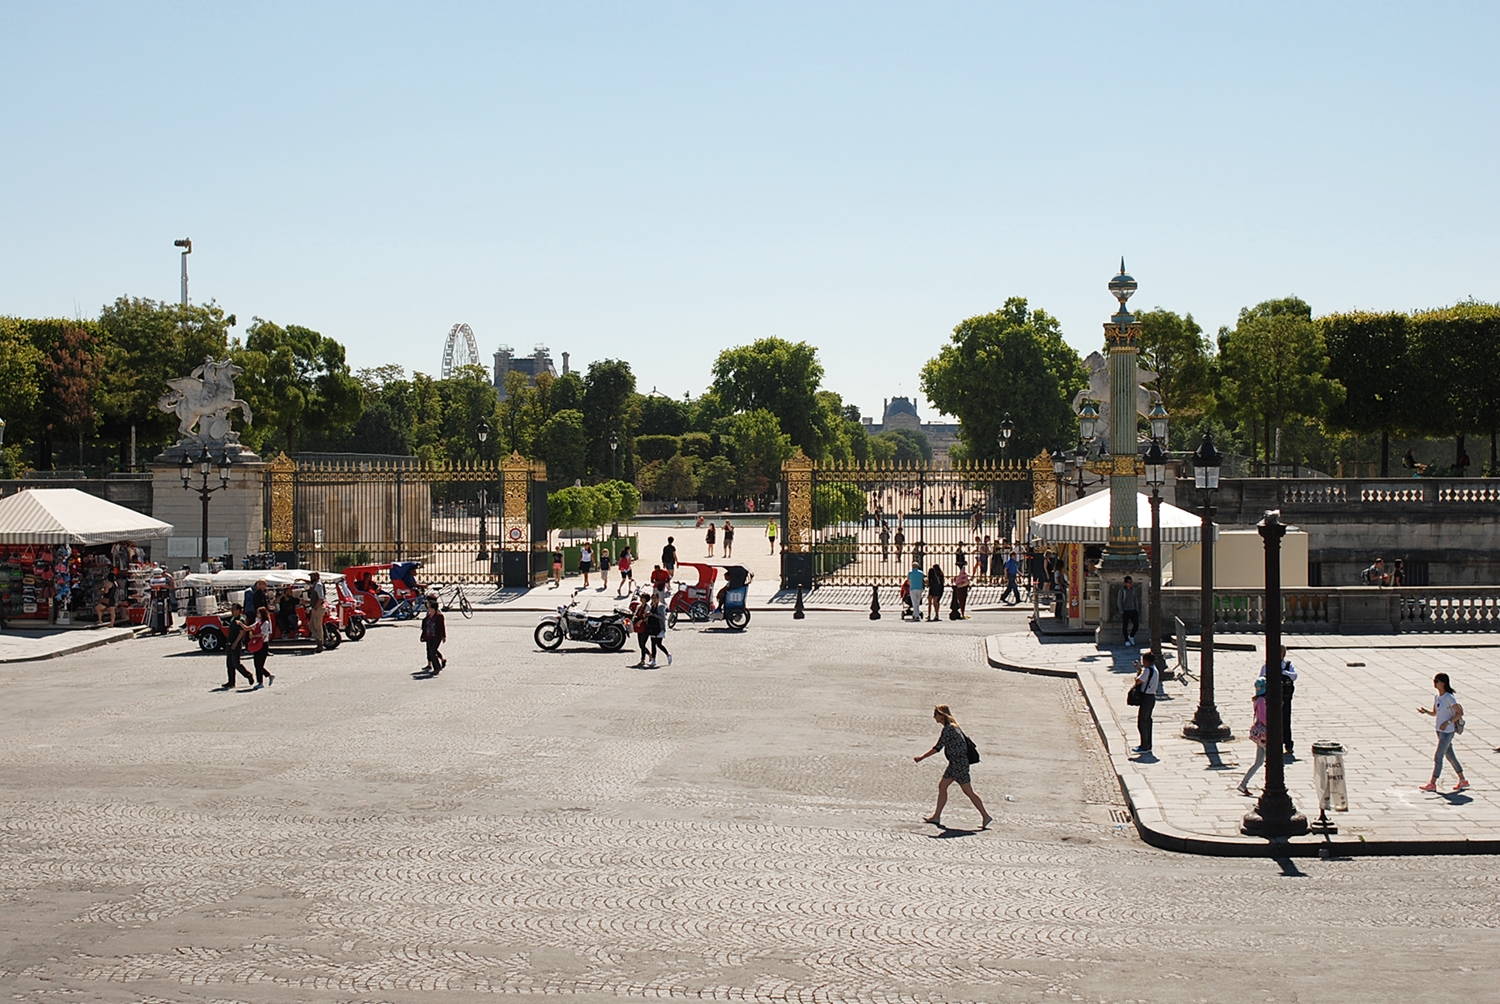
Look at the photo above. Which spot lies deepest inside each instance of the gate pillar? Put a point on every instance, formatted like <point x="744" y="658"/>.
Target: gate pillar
<point x="797" y="542"/>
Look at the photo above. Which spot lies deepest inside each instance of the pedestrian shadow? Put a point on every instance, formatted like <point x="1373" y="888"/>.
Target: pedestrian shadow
<point x="1145" y="758"/>
<point x="423" y="674"/>
<point x="951" y="833"/>
<point x="1457" y="798"/>
<point x="1289" y="868"/>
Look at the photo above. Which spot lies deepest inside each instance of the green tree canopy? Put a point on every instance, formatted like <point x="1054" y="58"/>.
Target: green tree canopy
<point x="907" y="446"/>
<point x="1175" y="349"/>
<point x="1012" y="361"/>
<point x="1370" y="356"/>
<point x="781" y="378"/>
<point x="757" y="447"/>
<point x="608" y="391"/>
<point x="563" y="445"/>
<point x="298" y="385"/>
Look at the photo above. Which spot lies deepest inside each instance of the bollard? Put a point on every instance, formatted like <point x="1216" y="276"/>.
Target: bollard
<point x="874" y="603"/>
<point x="798" y="613"/>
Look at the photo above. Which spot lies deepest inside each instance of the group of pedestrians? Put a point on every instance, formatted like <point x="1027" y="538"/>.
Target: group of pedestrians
<point x="712" y="535"/>
<point x="247" y="634"/>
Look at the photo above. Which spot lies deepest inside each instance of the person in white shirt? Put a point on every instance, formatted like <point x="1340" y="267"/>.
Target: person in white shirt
<point x="1449" y="714"/>
<point x="1148" y="679"/>
<point x="1288" y="687"/>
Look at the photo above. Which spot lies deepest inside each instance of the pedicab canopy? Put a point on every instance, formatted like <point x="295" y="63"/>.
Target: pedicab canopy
<point x="69" y="516"/>
<point x="1086" y="521"/>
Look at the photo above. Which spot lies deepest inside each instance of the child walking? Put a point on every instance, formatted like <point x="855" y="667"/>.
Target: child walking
<point x="434" y="633"/>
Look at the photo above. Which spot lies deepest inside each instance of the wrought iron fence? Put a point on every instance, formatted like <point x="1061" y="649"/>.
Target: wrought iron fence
<point x="458" y="520"/>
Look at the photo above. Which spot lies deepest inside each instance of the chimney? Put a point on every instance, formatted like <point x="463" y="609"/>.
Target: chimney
<point x="565" y="364"/>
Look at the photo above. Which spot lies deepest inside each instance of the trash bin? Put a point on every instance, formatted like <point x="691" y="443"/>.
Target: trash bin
<point x="1328" y="774"/>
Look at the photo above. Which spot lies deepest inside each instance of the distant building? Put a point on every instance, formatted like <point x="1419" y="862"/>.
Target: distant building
<point x="901" y="413"/>
<point x="534" y="365"/>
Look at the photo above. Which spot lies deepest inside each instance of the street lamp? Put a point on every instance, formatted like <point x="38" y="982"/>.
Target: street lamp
<point x="482" y="430"/>
<point x="187" y="248"/>
<point x="614" y="465"/>
<point x="1274" y="815"/>
<point x="1206" y="725"/>
<point x="1157" y="416"/>
<point x="205" y="467"/>
<point x="1156" y="476"/>
<point x="1006" y="428"/>
<point x="1088" y="421"/>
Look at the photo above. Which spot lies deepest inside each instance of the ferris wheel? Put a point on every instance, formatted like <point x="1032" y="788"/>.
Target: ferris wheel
<point x="460" y="349"/>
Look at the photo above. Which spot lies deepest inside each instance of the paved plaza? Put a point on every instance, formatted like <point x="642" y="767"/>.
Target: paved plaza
<point x="742" y="825"/>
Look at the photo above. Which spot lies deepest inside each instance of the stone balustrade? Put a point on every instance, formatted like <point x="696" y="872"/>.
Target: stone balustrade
<point x="1344" y="609"/>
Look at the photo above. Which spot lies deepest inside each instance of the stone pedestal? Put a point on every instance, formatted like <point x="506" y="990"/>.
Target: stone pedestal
<point x="237" y="512"/>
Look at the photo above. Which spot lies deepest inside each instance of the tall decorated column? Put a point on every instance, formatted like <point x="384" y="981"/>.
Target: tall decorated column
<point x="1123" y="555"/>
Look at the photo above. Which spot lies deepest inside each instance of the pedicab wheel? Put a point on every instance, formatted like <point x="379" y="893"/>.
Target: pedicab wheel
<point x="464" y="606"/>
<point x="612" y="638"/>
<point x="356" y="628"/>
<point x="403" y="612"/>
<point x="211" y="640"/>
<point x="331" y="636"/>
<point x="737" y="619"/>
<point x="548" y="636"/>
<point x="699" y="611"/>
<point x="672" y="619"/>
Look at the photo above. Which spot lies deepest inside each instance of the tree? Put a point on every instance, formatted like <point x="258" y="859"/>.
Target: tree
<point x="149" y="343"/>
<point x="662" y="415"/>
<point x="837" y="502"/>
<point x="1012" y="361"/>
<point x="779" y="377"/>
<point x="1370" y="355"/>
<point x="468" y="398"/>
<point x="717" y="479"/>
<point x="1174" y="348"/>
<point x="607" y="393"/>
<point x="298" y="385"/>
<point x="650" y="448"/>
<point x="563" y="445"/>
<point x="677" y="479"/>
<point x="72" y="368"/>
<point x="1273" y="365"/>
<point x="1457" y="372"/>
<point x="906" y="446"/>
<point x="757" y="447"/>
<point x="20" y="389"/>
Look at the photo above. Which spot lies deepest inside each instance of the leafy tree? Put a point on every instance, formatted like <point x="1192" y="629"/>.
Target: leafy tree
<point x="662" y="415"/>
<point x="1457" y="353"/>
<point x="149" y="343"/>
<point x="650" y="448"/>
<point x="779" y="377"/>
<point x="717" y="479"/>
<point x="578" y="507"/>
<point x="1370" y="355"/>
<point x="1011" y="361"/>
<point x="624" y="497"/>
<point x="837" y="502"/>
<point x="907" y="446"/>
<point x="1174" y="348"/>
<point x="298" y="385"/>
<point x="20" y="389"/>
<point x="677" y="479"/>
<point x="607" y="398"/>
<point x="468" y="398"/>
<point x="563" y="445"/>
<point x="757" y="447"/>
<point x="1273" y="365"/>
<point x="565" y="393"/>
<point x="71" y="373"/>
<point x="698" y="444"/>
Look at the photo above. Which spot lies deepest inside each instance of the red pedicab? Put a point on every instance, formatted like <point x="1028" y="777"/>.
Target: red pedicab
<point x="696" y="600"/>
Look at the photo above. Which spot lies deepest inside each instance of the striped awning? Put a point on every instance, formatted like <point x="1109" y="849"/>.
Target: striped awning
<point x="69" y="516"/>
<point x="1086" y="521"/>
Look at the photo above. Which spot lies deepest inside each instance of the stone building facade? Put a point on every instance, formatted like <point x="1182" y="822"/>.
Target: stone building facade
<point x="901" y="413"/>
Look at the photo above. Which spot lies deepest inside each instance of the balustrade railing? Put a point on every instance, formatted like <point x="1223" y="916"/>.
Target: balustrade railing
<point x="1345" y="609"/>
<point x="1343" y="492"/>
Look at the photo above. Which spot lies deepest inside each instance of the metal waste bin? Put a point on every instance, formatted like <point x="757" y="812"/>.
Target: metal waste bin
<point x="1328" y="774"/>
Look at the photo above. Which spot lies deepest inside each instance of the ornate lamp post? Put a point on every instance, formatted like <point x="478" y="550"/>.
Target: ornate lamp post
<point x="1006" y="428"/>
<point x="1206" y="725"/>
<point x="482" y="430"/>
<point x="205" y="466"/>
<point x="1274" y="815"/>
<point x="1156" y="476"/>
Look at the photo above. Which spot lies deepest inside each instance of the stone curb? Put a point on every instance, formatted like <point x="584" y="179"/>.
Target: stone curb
<point x="82" y="646"/>
<point x="1158" y="831"/>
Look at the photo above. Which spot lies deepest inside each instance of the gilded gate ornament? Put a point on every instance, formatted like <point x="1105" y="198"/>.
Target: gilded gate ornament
<point x="283" y="472"/>
<point x="798" y="472"/>
<point x="1043" y="484"/>
<point x="515" y="476"/>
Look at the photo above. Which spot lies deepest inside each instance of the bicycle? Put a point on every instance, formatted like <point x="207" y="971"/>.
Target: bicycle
<point x="455" y="598"/>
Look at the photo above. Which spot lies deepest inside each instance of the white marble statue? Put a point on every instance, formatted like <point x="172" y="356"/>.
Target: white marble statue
<point x="205" y="399"/>
<point x="1098" y="390"/>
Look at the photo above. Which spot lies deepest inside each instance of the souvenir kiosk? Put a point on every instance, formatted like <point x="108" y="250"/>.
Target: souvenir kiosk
<point x="57" y="547"/>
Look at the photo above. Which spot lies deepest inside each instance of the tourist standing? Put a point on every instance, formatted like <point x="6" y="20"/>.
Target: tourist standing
<point x="603" y="569"/>
<point x="982" y="555"/>
<point x="434" y="633"/>
<point x="934" y="592"/>
<point x="586" y="561"/>
<point x="669" y="557"/>
<point x="885" y="542"/>
<point x="1257" y="734"/>
<point x="1449" y="715"/>
<point x="316" y="596"/>
<point x="1288" y="687"/>
<point x="916" y="582"/>
<point x="557" y="567"/>
<point x="771" y="534"/>
<point x="728" y="539"/>
<point x="259" y="645"/>
<point x="711" y="535"/>
<point x="161" y="604"/>
<point x="955" y="747"/>
<point x="1147" y="680"/>
<point x="960" y="594"/>
<point x="1130" y="611"/>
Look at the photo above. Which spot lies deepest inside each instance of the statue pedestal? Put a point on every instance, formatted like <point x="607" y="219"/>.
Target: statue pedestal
<point x="236" y="513"/>
<point x="1111" y="630"/>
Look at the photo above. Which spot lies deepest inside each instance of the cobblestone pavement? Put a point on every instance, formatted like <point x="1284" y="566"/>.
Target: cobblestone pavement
<point x="1351" y="690"/>
<point x="742" y="825"/>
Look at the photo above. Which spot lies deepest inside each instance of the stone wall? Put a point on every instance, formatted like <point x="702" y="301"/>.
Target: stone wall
<point x="236" y="512"/>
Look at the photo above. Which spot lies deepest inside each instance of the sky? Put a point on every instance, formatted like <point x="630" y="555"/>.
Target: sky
<point x="660" y="181"/>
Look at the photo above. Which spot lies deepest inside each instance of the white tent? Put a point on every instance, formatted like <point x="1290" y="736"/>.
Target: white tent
<point x="1086" y="521"/>
<point x="69" y="516"/>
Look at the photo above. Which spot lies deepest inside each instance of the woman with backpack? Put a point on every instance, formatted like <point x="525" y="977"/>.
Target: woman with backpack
<point x="956" y="747"/>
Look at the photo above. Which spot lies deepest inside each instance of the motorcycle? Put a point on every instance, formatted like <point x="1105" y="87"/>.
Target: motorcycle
<point x="574" y="623"/>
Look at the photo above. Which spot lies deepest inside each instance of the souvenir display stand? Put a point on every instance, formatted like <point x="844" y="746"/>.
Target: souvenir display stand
<point x="57" y="547"/>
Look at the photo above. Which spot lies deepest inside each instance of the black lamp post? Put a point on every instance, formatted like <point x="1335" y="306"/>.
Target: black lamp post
<point x="1274" y="815"/>
<point x="1156" y="476"/>
<point x="482" y="430"/>
<point x="1206" y="725"/>
<point x="205" y="466"/>
<point x="614" y="463"/>
<point x="1007" y="427"/>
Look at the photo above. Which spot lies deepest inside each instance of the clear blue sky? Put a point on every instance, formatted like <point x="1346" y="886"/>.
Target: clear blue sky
<point x="659" y="181"/>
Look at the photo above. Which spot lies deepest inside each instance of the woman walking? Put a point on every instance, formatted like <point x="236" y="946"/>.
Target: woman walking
<point x="955" y="746"/>
<point x="934" y="592"/>
<point x="259" y="647"/>
<point x="658" y="627"/>
<point x="640" y="623"/>
<point x="625" y="573"/>
<point x="434" y="633"/>
<point x="1257" y="734"/>
<point x="1450" y="715"/>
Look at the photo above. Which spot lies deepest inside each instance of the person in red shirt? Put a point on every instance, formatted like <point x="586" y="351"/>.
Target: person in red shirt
<point x="625" y="574"/>
<point x="661" y="578"/>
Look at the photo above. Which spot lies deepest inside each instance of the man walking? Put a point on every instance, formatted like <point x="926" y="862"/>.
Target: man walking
<point x="1130" y="611"/>
<point x="669" y="557"/>
<point x="237" y="632"/>
<point x="1288" y="686"/>
<point x="1012" y="570"/>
